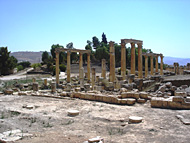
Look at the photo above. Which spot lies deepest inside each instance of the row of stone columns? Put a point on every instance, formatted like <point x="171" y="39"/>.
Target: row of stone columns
<point x="69" y="65"/>
<point x="152" y="64"/>
<point x="123" y="59"/>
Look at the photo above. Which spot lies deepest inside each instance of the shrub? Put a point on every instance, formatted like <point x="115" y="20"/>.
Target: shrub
<point x="25" y="64"/>
<point x="36" y="65"/>
<point x="19" y="67"/>
<point x="62" y="67"/>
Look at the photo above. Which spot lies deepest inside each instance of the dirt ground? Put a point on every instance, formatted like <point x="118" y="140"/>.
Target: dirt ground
<point x="48" y="121"/>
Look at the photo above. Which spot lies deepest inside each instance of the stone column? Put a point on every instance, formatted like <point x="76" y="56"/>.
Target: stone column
<point x="112" y="61"/>
<point x="123" y="60"/>
<point x="88" y="66"/>
<point x="151" y="65"/>
<point x="81" y="77"/>
<point x="57" y="68"/>
<point x="68" y="66"/>
<point x="45" y="82"/>
<point x="93" y="77"/>
<point x="156" y="63"/>
<point x="140" y="75"/>
<point x="161" y="65"/>
<point x="133" y="58"/>
<point x="146" y="65"/>
<point x="35" y="86"/>
<point x="103" y="68"/>
<point x="80" y="61"/>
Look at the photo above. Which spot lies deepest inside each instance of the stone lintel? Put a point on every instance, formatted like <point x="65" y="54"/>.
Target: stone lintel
<point x="132" y="41"/>
<point x="72" y="50"/>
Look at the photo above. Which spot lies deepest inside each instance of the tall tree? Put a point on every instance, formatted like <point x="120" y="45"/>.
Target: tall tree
<point x="96" y="42"/>
<point x="62" y="55"/>
<point x="45" y="57"/>
<point x="104" y="39"/>
<point x="7" y="63"/>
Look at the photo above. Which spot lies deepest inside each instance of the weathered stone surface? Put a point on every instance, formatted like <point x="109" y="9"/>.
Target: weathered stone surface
<point x="162" y="88"/>
<point x="180" y="93"/>
<point x="96" y="140"/>
<point x="8" y="91"/>
<point x="53" y="87"/>
<point x="131" y="101"/>
<point x="13" y="135"/>
<point x="140" y="100"/>
<point x="130" y="95"/>
<point x="87" y="87"/>
<point x="178" y="99"/>
<point x="22" y="93"/>
<point x="168" y="84"/>
<point x="73" y="112"/>
<point x="144" y="95"/>
<point x="35" y="86"/>
<point x="135" y="119"/>
<point x="184" y="86"/>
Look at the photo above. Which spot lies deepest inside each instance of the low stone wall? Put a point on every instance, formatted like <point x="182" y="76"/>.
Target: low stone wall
<point x="175" y="102"/>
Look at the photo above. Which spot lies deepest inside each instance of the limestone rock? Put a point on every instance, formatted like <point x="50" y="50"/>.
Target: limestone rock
<point x="180" y="93"/>
<point x="130" y="95"/>
<point x="162" y="88"/>
<point x="96" y="140"/>
<point x="73" y="112"/>
<point x="8" y="91"/>
<point x="168" y="84"/>
<point x="140" y="100"/>
<point x="144" y="95"/>
<point x="131" y="101"/>
<point x="135" y="119"/>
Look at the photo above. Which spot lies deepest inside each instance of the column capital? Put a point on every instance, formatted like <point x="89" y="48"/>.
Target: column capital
<point x="139" y="45"/>
<point x="111" y="43"/>
<point x="132" y="44"/>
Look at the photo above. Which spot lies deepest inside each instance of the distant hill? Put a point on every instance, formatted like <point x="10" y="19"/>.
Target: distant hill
<point x="36" y="57"/>
<point x="181" y="61"/>
<point x="32" y="57"/>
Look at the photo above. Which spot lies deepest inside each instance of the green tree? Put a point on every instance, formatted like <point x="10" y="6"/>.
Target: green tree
<point x="45" y="57"/>
<point x="102" y="53"/>
<point x="96" y="42"/>
<point x="62" y="55"/>
<point x="7" y="63"/>
<point x="104" y="39"/>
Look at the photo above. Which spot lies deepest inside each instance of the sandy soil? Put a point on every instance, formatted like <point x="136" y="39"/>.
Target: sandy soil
<point x="48" y="121"/>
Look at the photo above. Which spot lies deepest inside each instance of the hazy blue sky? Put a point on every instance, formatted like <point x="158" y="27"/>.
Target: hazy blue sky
<point x="34" y="25"/>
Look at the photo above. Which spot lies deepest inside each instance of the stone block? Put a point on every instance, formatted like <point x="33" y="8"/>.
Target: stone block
<point x="178" y="99"/>
<point x="130" y="95"/>
<point x="180" y="93"/>
<point x="122" y="101"/>
<point x="107" y="99"/>
<point x="156" y="102"/>
<point x="8" y="91"/>
<point x="73" y="112"/>
<point x="140" y="100"/>
<point x="174" y="105"/>
<point x="143" y="95"/>
<point x="98" y="97"/>
<point x="131" y="101"/>
<point x="135" y="119"/>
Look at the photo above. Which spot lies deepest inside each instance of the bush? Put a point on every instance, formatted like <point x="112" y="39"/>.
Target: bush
<point x="25" y="64"/>
<point x="62" y="67"/>
<point x="36" y="65"/>
<point x="19" y="67"/>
